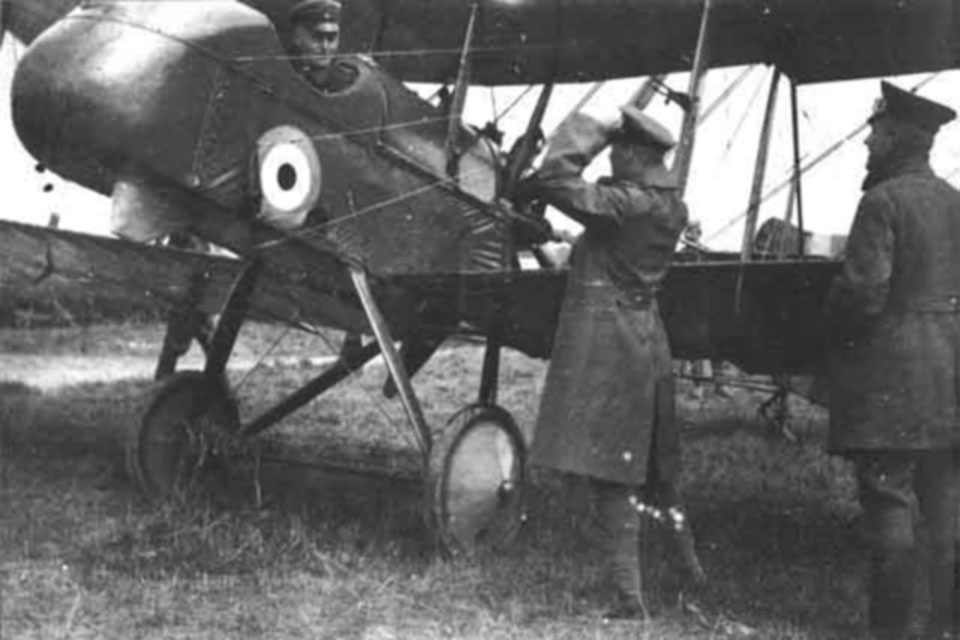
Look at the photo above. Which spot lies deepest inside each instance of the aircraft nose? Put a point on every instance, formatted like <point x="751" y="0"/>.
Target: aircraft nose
<point x="136" y="94"/>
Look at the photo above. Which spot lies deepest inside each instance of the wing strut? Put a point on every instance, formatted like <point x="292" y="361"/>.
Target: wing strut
<point x="796" y="189"/>
<point x="681" y="165"/>
<point x="455" y="114"/>
<point x="525" y="148"/>
<point x="760" y="170"/>
<point x="381" y="331"/>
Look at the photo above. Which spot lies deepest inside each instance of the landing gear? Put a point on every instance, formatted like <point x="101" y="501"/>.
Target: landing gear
<point x="476" y="480"/>
<point x="775" y="410"/>
<point x="473" y="475"/>
<point x="182" y="427"/>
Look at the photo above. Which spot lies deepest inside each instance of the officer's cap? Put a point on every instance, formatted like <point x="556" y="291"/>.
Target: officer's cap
<point x="316" y="11"/>
<point x="908" y="107"/>
<point x="640" y="128"/>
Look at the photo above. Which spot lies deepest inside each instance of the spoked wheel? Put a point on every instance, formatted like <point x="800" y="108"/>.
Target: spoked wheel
<point x="182" y="426"/>
<point x="477" y="480"/>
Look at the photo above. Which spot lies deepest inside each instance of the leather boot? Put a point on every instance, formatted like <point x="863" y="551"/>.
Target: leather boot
<point x="944" y="623"/>
<point x="681" y="548"/>
<point x="891" y="594"/>
<point x="620" y="525"/>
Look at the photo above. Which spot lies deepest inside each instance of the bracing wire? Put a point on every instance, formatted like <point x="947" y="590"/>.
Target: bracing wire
<point x="725" y="94"/>
<point x="514" y="103"/>
<point x="314" y="230"/>
<point x="818" y="159"/>
<point x="266" y="354"/>
<point x="400" y="53"/>
<point x="743" y="119"/>
<point x="391" y="420"/>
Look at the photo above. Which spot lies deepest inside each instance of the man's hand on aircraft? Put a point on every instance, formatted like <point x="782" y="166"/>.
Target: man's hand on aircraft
<point x="530" y="228"/>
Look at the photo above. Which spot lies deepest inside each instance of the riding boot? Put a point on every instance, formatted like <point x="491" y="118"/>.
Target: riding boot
<point x="681" y="548"/>
<point x="620" y="526"/>
<point x="891" y="593"/>
<point x="944" y="623"/>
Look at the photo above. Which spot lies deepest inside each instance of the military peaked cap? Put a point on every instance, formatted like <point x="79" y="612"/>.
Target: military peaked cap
<point x="640" y="127"/>
<point x="909" y="107"/>
<point x="318" y="10"/>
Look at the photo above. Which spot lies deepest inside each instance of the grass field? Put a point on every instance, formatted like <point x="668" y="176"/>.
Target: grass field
<point x="83" y="555"/>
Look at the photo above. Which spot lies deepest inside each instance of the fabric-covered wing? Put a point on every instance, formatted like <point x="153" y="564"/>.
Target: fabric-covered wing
<point x="46" y="268"/>
<point x="764" y="317"/>
<point x="530" y="41"/>
<point x="772" y="326"/>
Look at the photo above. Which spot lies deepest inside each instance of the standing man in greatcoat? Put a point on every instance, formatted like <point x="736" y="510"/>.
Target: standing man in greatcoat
<point x="894" y="315"/>
<point x="607" y="410"/>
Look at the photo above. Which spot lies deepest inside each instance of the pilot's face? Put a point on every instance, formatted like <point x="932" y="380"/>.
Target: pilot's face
<point x="317" y="41"/>
<point x="881" y="142"/>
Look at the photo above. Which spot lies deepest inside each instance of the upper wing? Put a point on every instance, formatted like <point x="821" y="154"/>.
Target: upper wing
<point x="532" y="41"/>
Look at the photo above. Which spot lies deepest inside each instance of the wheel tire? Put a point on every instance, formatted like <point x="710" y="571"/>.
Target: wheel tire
<point x="477" y="480"/>
<point x="166" y="450"/>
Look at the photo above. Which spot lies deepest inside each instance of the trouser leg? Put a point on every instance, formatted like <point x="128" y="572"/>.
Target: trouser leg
<point x="885" y="481"/>
<point x="620" y="528"/>
<point x="661" y="492"/>
<point x="938" y="488"/>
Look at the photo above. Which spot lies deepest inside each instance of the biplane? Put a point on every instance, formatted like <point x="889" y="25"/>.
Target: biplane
<point x="379" y="213"/>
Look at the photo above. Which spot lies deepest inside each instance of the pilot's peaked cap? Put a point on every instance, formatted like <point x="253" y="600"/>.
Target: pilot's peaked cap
<point x="316" y="11"/>
<point x="640" y="128"/>
<point x="908" y="107"/>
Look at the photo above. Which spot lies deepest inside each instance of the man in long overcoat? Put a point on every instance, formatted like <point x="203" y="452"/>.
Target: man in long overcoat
<point x="607" y="410"/>
<point x="895" y="371"/>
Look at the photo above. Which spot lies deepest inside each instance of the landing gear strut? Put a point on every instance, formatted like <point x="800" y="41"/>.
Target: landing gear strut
<point x="473" y="474"/>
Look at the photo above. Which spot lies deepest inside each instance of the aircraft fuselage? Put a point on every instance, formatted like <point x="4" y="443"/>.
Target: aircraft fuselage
<point x="177" y="109"/>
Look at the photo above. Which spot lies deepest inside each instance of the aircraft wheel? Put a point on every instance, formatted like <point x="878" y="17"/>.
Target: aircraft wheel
<point x="180" y="429"/>
<point x="477" y="480"/>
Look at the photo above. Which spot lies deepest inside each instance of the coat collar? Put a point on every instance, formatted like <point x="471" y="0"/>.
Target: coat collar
<point x="658" y="177"/>
<point x="898" y="166"/>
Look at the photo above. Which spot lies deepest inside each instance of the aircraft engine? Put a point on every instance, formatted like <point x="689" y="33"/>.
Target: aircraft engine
<point x="289" y="176"/>
<point x="147" y="103"/>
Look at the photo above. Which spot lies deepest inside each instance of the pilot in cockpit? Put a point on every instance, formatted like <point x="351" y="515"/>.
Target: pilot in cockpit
<point x="315" y="42"/>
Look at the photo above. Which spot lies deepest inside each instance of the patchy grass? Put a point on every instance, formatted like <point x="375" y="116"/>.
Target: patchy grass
<point x="340" y="556"/>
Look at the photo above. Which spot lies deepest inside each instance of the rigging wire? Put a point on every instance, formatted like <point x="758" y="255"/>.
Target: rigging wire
<point x="266" y="353"/>
<point x="514" y="103"/>
<point x="725" y="95"/>
<point x="399" y="53"/>
<point x="819" y="158"/>
<point x="375" y="401"/>
<point x="743" y="119"/>
<point x="314" y="230"/>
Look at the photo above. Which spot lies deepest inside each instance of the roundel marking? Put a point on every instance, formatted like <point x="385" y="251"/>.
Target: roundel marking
<point x="289" y="175"/>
